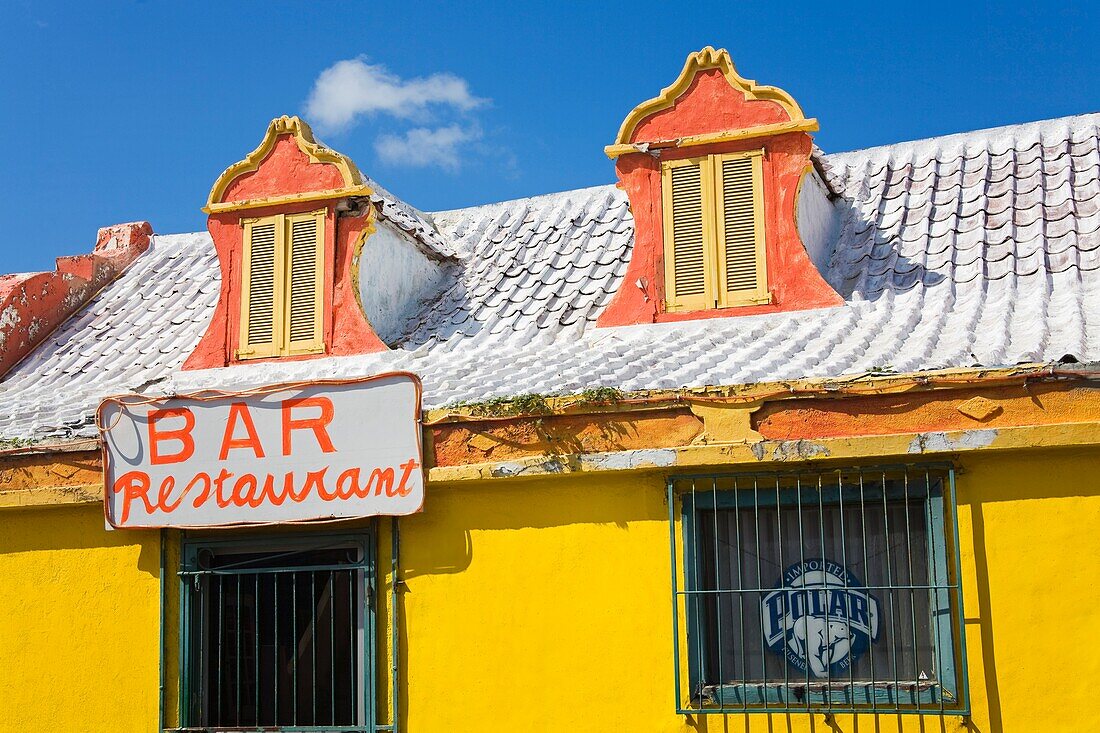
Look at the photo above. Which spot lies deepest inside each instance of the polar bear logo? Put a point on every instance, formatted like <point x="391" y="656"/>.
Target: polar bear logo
<point x="820" y="617"/>
<point x="821" y="642"/>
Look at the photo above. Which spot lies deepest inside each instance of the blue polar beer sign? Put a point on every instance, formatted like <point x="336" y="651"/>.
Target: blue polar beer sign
<point x="820" y="617"/>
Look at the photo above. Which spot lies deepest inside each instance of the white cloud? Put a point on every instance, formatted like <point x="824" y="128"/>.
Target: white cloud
<point x="350" y="89"/>
<point x="422" y="147"/>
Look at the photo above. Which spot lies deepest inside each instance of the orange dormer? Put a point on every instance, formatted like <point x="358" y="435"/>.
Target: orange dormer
<point x="288" y="223"/>
<point x="713" y="168"/>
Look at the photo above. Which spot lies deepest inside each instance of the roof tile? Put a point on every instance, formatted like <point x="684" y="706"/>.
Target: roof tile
<point x="981" y="248"/>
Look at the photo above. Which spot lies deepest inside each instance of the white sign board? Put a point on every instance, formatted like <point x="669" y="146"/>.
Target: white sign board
<point x="283" y="453"/>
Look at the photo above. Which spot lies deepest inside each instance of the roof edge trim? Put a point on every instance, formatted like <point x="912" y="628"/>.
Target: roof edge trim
<point x="866" y="384"/>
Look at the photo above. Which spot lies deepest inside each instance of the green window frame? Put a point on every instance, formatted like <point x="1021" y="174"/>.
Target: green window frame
<point x="264" y="587"/>
<point x="752" y="598"/>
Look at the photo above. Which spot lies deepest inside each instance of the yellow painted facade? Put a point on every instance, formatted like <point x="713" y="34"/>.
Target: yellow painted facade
<point x="535" y="590"/>
<point x="543" y="604"/>
<point x="80" y="623"/>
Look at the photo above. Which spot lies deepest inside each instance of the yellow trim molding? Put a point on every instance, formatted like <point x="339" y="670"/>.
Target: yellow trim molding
<point x="50" y="496"/>
<point x="357" y="254"/>
<point x="750" y="453"/>
<point x="354" y="184"/>
<point x="332" y="193"/>
<point x="708" y="58"/>
<point x="747" y="133"/>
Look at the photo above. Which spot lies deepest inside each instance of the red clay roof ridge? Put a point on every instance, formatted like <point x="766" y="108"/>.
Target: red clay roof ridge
<point x="33" y="304"/>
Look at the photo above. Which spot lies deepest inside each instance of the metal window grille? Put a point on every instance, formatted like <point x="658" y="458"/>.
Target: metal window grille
<point x="818" y="591"/>
<point x="278" y="635"/>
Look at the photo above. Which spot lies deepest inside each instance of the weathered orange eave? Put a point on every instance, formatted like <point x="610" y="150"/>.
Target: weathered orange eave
<point x="860" y="419"/>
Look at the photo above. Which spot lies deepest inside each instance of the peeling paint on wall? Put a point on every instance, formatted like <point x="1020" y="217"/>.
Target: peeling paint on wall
<point x="507" y="470"/>
<point x="927" y="410"/>
<point x="790" y="450"/>
<point x="625" y="460"/>
<point x="526" y="438"/>
<point x="614" y="461"/>
<point x="944" y="442"/>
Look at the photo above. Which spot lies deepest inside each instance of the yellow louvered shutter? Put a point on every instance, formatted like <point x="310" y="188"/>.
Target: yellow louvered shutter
<point x="282" y="286"/>
<point x="741" y="265"/>
<point x="687" y="270"/>
<point x="261" y="287"/>
<point x="714" y="232"/>
<point x="304" y="283"/>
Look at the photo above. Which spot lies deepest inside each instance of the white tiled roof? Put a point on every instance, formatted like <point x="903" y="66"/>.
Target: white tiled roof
<point x="413" y="222"/>
<point x="974" y="249"/>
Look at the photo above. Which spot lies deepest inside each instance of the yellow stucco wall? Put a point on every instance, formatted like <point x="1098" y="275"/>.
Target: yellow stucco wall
<point x="1030" y="547"/>
<point x="543" y="605"/>
<point x="79" y="621"/>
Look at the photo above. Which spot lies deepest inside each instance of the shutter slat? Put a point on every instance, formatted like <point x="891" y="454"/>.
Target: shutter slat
<point x="689" y="268"/>
<point x="303" y="273"/>
<point x="739" y="225"/>
<point x="261" y="285"/>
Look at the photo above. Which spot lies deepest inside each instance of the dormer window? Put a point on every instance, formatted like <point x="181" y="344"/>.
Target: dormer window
<point x="714" y="231"/>
<point x="713" y="168"/>
<point x="282" y="285"/>
<point x="294" y="224"/>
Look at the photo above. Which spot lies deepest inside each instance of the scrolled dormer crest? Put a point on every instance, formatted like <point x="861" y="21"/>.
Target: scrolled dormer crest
<point x="765" y="110"/>
<point x="249" y="183"/>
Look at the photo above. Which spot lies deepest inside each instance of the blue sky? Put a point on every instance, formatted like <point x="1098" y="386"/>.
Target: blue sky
<point x="123" y="111"/>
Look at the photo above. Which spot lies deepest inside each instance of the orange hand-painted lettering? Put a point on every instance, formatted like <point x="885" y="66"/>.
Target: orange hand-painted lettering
<point x="238" y="411"/>
<point x="381" y="480"/>
<point x="403" y="488"/>
<point x="132" y="485"/>
<point x="164" y="494"/>
<point x="317" y="424"/>
<point x="219" y="485"/>
<point x="226" y="489"/>
<point x="183" y="435"/>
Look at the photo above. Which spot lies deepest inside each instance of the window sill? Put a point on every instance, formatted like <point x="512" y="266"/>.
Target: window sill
<point x="765" y="299"/>
<point x="279" y="729"/>
<point x="243" y="357"/>
<point x="881" y="697"/>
